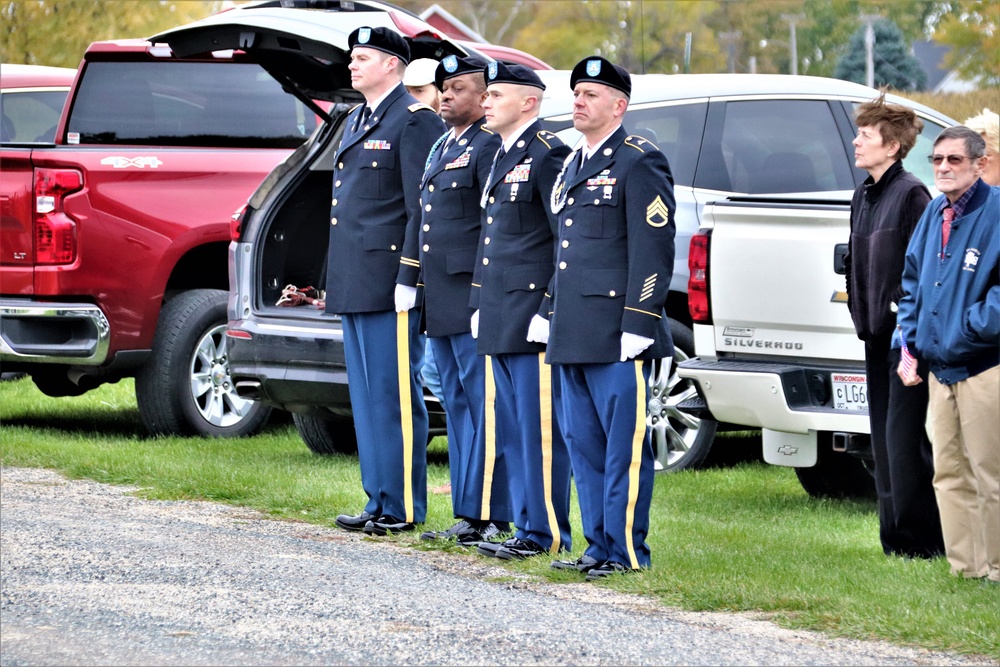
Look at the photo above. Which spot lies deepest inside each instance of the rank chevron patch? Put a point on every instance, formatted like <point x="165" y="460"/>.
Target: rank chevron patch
<point x="657" y="213"/>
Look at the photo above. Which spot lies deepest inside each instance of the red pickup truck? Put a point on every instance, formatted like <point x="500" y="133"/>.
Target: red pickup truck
<point x="113" y="254"/>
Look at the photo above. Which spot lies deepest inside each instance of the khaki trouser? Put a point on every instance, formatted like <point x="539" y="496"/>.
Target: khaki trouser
<point x="963" y="424"/>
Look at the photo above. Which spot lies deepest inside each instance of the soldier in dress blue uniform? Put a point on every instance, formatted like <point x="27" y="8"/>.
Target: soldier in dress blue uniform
<point x="614" y="261"/>
<point x="513" y="268"/>
<point x="372" y="269"/>
<point x="457" y="169"/>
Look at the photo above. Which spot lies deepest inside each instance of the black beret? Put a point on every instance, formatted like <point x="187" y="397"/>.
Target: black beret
<point x="498" y="72"/>
<point x="599" y="70"/>
<point x="452" y="66"/>
<point x="381" y="39"/>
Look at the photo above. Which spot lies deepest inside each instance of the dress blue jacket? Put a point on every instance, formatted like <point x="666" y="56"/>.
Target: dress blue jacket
<point x="375" y="211"/>
<point x="452" y="221"/>
<point x="950" y="314"/>
<point x="516" y="248"/>
<point x="615" y="253"/>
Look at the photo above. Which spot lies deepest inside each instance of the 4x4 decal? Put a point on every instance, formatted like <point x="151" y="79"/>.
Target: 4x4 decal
<point x="120" y="162"/>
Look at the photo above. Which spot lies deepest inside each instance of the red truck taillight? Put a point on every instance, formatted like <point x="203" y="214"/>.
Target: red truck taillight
<point x="698" y="303"/>
<point x="236" y="223"/>
<point x="55" y="232"/>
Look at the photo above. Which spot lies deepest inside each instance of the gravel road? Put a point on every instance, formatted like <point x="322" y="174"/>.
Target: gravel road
<point x="90" y="575"/>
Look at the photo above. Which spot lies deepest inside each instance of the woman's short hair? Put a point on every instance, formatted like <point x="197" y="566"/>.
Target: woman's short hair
<point x="894" y="122"/>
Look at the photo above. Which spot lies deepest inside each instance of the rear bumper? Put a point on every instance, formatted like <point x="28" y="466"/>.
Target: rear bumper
<point x="289" y="364"/>
<point x="298" y="366"/>
<point x="53" y="333"/>
<point x="778" y="397"/>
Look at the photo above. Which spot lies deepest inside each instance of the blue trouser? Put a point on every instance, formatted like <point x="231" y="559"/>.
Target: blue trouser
<point x="478" y="475"/>
<point x="603" y="417"/>
<point x="528" y="434"/>
<point x="390" y="417"/>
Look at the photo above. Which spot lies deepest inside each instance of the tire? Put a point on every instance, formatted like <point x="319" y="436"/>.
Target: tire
<point x="326" y="436"/>
<point x="680" y="441"/>
<point x="184" y="388"/>
<point x="837" y="475"/>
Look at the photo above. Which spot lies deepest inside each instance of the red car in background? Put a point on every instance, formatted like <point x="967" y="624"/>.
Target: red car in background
<point x="31" y="101"/>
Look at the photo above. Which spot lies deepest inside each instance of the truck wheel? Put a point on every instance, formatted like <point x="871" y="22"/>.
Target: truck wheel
<point x="326" y="436"/>
<point x="837" y="475"/>
<point x="680" y="441"/>
<point x="184" y="388"/>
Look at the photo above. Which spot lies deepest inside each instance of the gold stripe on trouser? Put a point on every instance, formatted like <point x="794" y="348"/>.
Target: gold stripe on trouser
<point x="633" y="469"/>
<point x="405" y="407"/>
<point x="490" y="450"/>
<point x="545" y="409"/>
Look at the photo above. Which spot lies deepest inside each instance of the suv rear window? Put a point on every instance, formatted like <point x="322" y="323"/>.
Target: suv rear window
<point x="206" y="104"/>
<point x="676" y="129"/>
<point x="776" y="146"/>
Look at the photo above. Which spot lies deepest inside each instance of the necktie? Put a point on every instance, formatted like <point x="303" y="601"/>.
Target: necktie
<point x="366" y="113"/>
<point x="574" y="168"/>
<point x="489" y="181"/>
<point x="447" y="145"/>
<point x="947" y="216"/>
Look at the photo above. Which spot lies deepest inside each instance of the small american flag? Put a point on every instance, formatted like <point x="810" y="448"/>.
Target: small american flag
<point x="905" y="357"/>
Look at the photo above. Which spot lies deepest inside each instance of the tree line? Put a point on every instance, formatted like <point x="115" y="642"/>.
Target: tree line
<point x="666" y="36"/>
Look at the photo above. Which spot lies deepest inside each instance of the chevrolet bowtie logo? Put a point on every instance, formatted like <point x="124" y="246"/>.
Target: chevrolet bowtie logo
<point x="657" y="213"/>
<point x="788" y="450"/>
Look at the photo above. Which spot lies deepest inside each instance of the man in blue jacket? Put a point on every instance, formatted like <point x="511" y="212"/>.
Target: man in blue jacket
<point x="513" y="267"/>
<point x="457" y="169"/>
<point x="372" y="268"/>
<point x="950" y="318"/>
<point x="615" y="257"/>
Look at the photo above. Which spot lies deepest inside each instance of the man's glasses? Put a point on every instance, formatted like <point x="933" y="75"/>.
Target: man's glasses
<point x="952" y="159"/>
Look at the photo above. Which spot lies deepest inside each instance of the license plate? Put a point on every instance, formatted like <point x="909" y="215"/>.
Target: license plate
<point x="850" y="392"/>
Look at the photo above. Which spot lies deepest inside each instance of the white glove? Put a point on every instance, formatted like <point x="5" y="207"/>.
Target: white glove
<point x="406" y="298"/>
<point x="633" y="345"/>
<point x="474" y="324"/>
<point x="538" y="330"/>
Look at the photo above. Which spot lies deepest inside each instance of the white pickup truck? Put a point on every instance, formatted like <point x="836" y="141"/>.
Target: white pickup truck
<point x="776" y="348"/>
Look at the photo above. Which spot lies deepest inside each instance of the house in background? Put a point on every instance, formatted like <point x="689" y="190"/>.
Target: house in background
<point x="448" y="24"/>
<point x="939" y="79"/>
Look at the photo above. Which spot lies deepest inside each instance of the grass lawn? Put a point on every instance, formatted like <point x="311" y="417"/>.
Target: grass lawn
<point x="744" y="537"/>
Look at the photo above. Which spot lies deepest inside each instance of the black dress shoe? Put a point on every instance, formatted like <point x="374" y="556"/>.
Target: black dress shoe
<point x="491" y="548"/>
<point x="463" y="527"/>
<point x="606" y="569"/>
<point x="582" y="564"/>
<point x="519" y="549"/>
<point x="485" y="531"/>
<point x="386" y="524"/>
<point x="355" y="522"/>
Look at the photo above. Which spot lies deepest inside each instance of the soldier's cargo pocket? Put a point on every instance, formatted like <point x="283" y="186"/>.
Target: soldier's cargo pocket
<point x="378" y="174"/>
<point x="610" y="283"/>
<point x="388" y="238"/>
<point x="527" y="278"/>
<point x="462" y="260"/>
<point x="461" y="203"/>
<point x="517" y="213"/>
<point x="600" y="220"/>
